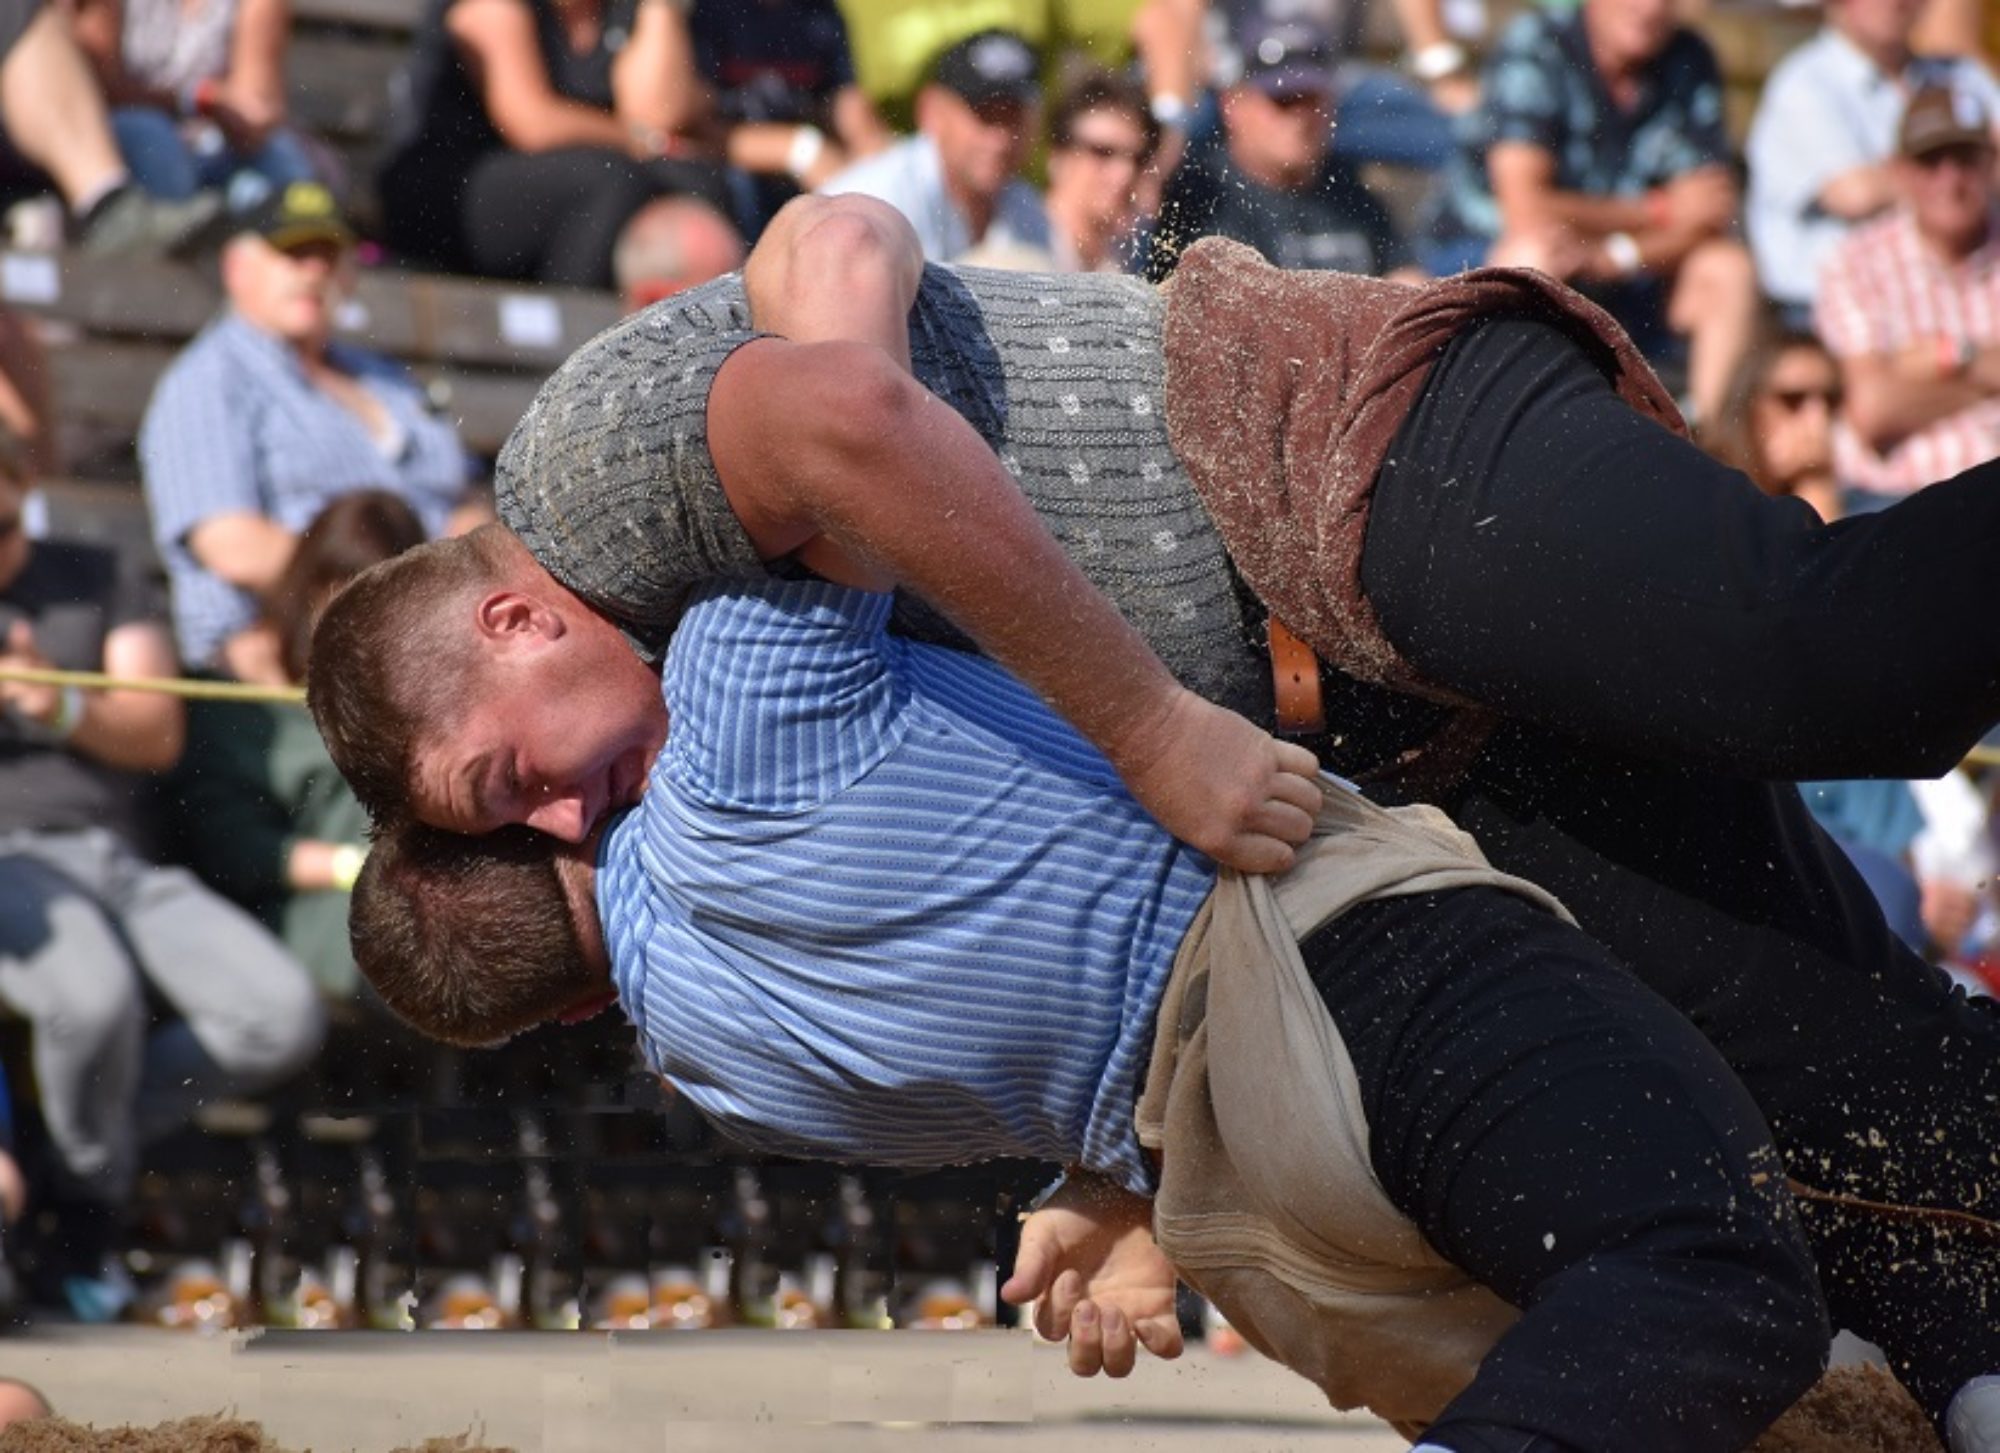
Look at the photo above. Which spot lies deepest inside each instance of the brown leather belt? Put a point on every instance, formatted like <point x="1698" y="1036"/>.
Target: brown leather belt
<point x="1295" y="682"/>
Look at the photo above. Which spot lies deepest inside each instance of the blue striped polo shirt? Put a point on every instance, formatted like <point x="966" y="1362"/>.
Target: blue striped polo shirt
<point x="880" y="903"/>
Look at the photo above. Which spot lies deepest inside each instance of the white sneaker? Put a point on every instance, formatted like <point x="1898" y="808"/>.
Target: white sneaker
<point x="1972" y="1422"/>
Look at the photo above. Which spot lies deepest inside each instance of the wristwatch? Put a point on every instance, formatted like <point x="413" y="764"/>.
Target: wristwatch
<point x="1434" y="62"/>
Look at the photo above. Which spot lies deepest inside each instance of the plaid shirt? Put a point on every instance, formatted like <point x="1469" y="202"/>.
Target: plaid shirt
<point x="1882" y="290"/>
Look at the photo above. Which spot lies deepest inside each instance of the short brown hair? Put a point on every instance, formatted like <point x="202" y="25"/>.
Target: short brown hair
<point x="353" y="532"/>
<point x="468" y="940"/>
<point x="389" y="653"/>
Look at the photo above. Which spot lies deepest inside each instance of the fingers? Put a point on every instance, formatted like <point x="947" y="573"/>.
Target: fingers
<point x="1086" y="1341"/>
<point x="1053" y="1312"/>
<point x="1161" y="1336"/>
<point x="1031" y="1272"/>
<point x="1282" y="820"/>
<point x="1295" y="760"/>
<point x="1101" y="1340"/>
<point x="1254" y="853"/>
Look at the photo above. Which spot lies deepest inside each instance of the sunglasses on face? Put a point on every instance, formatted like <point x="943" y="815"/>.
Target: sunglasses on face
<point x="1964" y="158"/>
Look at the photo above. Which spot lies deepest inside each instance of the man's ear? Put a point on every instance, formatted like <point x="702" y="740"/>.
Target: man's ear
<point x="518" y="618"/>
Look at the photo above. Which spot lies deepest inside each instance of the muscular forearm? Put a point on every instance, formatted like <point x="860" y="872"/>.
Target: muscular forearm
<point x="827" y="438"/>
<point x="249" y="551"/>
<point x="127" y="730"/>
<point x="1588" y="216"/>
<point x="655" y="84"/>
<point x="1893" y="396"/>
<point x="899" y="479"/>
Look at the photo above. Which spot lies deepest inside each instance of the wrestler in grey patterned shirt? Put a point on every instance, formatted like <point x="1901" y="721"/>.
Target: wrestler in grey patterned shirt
<point x="609" y="482"/>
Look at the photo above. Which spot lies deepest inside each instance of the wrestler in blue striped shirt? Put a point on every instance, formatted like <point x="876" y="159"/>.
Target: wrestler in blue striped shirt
<point x="880" y="904"/>
<point x="817" y="918"/>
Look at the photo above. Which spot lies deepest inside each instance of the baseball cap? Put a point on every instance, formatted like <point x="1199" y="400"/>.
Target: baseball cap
<point x="1284" y="57"/>
<point x="994" y="65"/>
<point x="1941" y="116"/>
<point x="295" y="214"/>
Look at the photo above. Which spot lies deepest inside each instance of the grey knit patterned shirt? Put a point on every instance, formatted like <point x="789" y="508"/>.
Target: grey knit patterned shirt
<point x="609" y="482"/>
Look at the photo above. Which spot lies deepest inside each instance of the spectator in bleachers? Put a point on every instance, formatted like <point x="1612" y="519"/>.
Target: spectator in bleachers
<point x="197" y="89"/>
<point x="53" y="115"/>
<point x="1822" y="146"/>
<point x="1102" y="136"/>
<point x="260" y="813"/>
<point x="1910" y="305"/>
<point x="1271" y="180"/>
<point x="534" y="131"/>
<point x="959" y="179"/>
<point x="782" y="77"/>
<point x="1776" y="422"/>
<point x="672" y="245"/>
<point x="1599" y="150"/>
<point x="264" y="418"/>
<point x="88" y="928"/>
<point x="1189" y="48"/>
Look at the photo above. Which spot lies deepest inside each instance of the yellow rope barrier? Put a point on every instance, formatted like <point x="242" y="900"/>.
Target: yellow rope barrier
<point x="167" y="685"/>
<point x="296" y="695"/>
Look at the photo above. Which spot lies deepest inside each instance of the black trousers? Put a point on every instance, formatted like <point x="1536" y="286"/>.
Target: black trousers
<point x="550" y="216"/>
<point x="1561" y="1133"/>
<point x="1670" y="646"/>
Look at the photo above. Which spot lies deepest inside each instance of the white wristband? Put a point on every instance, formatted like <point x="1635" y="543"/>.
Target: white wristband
<point x="808" y="144"/>
<point x="1437" y="60"/>
<point x="344" y="865"/>
<point x="1623" y="250"/>
<point x="1168" y="110"/>
<point x="69" y="714"/>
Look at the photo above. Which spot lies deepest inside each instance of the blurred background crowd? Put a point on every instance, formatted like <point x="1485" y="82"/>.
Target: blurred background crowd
<point x="281" y="272"/>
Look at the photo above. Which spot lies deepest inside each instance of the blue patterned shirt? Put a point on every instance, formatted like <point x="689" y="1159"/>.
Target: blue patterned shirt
<point x="880" y="903"/>
<point x="236" y="427"/>
<point x="1542" y="88"/>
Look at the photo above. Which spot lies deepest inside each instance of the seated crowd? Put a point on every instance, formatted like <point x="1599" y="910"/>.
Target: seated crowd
<point x="173" y="878"/>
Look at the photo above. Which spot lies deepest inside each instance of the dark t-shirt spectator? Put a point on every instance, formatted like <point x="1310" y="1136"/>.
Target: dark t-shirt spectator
<point x="440" y="117"/>
<point x="1542" y="88"/>
<point x="72" y="596"/>
<point x="773" y="62"/>
<point x="1335" y="225"/>
<point x="455" y="195"/>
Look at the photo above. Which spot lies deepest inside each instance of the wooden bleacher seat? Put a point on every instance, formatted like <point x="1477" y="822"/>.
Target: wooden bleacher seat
<point x="482" y="348"/>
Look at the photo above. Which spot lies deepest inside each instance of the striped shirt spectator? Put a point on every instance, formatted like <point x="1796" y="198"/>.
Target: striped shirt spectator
<point x="237" y="426"/>
<point x="1885" y="290"/>
<point x="816" y="916"/>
